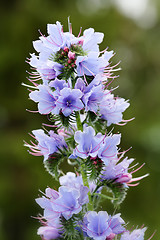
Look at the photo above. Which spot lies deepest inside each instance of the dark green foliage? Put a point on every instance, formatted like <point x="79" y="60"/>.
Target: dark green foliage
<point x="93" y="167"/>
<point x="118" y="191"/>
<point x="53" y="162"/>
<point x="96" y="122"/>
<point x="70" y="229"/>
<point x="70" y="141"/>
<point x="62" y="121"/>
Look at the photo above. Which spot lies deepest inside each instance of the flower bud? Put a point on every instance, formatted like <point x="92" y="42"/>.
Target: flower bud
<point x="125" y="178"/>
<point x="71" y="55"/>
<point x="111" y="236"/>
<point x="66" y="49"/>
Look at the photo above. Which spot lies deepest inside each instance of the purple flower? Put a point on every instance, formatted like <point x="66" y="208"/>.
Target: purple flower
<point x="47" y="69"/>
<point x="58" y="85"/>
<point x="47" y="47"/>
<point x="91" y="39"/>
<point x="67" y="203"/>
<point x="80" y="85"/>
<point x="137" y="234"/>
<point x="104" y="60"/>
<point x="111" y="108"/>
<point x="53" y="42"/>
<point x="69" y="101"/>
<point x="87" y="65"/>
<point x="118" y="171"/>
<point x="73" y="181"/>
<point x="109" y="150"/>
<point x="46" y="100"/>
<point x="92" y="98"/>
<point x="115" y="223"/>
<point x="51" y="230"/>
<point x="45" y="203"/>
<point x="89" y="147"/>
<point x="100" y="225"/>
<point x="47" y="144"/>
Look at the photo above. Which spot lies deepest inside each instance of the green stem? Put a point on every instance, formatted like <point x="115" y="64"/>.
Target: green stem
<point x="78" y="120"/>
<point x="83" y="172"/>
<point x="85" y="183"/>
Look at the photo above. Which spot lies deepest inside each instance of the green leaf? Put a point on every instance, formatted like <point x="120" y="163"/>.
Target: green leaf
<point x="53" y="162"/>
<point x="119" y="192"/>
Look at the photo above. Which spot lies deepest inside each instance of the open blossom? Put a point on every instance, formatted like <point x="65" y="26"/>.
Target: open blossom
<point x="69" y="101"/>
<point x="109" y="150"/>
<point x="62" y="98"/>
<point x="68" y="200"/>
<point x="100" y="225"/>
<point x="47" y="144"/>
<point x="111" y="108"/>
<point x="119" y="172"/>
<point x="92" y="98"/>
<point x="103" y="147"/>
<point x="46" y="100"/>
<point x="50" y="230"/>
<point x="73" y="181"/>
<point x="89" y="147"/>
<point x="81" y="53"/>
<point x="91" y="39"/>
<point x="67" y="203"/>
<point x="87" y="65"/>
<point x="45" y="203"/>
<point x="47" y="69"/>
<point x="137" y="234"/>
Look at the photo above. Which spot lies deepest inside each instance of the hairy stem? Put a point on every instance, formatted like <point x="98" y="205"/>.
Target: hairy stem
<point x="78" y="120"/>
<point x="85" y="183"/>
<point x="83" y="172"/>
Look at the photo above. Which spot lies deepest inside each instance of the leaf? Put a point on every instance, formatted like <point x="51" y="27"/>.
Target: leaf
<point x="53" y="162"/>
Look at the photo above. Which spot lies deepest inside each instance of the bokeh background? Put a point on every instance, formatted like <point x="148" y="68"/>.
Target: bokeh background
<point x="132" y="30"/>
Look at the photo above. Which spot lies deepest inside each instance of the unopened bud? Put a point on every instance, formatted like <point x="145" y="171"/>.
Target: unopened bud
<point x="71" y="55"/>
<point x="125" y="178"/>
<point x="66" y="49"/>
<point x="111" y="236"/>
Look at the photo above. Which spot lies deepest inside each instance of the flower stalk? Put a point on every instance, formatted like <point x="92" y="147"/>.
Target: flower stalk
<point x="71" y="81"/>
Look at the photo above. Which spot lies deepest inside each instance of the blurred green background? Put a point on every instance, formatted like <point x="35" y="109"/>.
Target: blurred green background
<point x="132" y="30"/>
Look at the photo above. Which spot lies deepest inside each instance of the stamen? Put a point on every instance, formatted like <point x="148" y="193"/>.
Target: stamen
<point x="31" y="111"/>
<point x="26" y="85"/>
<point x="47" y="39"/>
<point x="137" y="169"/>
<point x="88" y="69"/>
<point x="152" y="235"/>
<point x="79" y="32"/>
<point x="47" y="125"/>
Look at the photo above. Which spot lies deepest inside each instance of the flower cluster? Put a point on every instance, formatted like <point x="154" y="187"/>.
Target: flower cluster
<point x="47" y="144"/>
<point x="69" y="200"/>
<point x="74" y="74"/>
<point x="70" y="83"/>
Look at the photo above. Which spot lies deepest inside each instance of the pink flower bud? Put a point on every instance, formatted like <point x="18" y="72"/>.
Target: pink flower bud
<point x="125" y="178"/>
<point x="111" y="236"/>
<point x="66" y="49"/>
<point x="71" y="55"/>
<point x="81" y="42"/>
